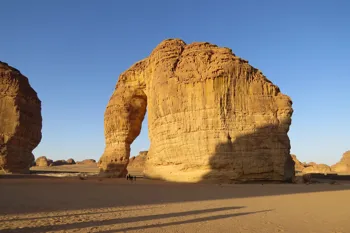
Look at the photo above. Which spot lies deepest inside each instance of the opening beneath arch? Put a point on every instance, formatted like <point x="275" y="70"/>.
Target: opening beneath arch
<point x="138" y="150"/>
<point x="142" y="142"/>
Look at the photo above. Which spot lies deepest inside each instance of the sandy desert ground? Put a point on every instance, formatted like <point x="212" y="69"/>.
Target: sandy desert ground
<point x="47" y="204"/>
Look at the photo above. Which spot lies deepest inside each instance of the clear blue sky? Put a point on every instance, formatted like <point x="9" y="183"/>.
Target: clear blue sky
<point x="74" y="51"/>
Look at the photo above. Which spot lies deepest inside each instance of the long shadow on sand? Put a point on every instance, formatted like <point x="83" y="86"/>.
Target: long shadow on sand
<point x="23" y="196"/>
<point x="204" y="219"/>
<point x="75" y="214"/>
<point x="34" y="196"/>
<point x="131" y="220"/>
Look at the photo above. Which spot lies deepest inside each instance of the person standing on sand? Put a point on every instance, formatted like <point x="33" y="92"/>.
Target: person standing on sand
<point x="130" y="177"/>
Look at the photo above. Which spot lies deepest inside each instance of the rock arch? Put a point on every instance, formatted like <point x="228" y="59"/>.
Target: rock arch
<point x="123" y="119"/>
<point x="199" y="96"/>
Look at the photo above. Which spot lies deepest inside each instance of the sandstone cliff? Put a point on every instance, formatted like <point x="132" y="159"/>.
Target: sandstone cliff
<point x="20" y="120"/>
<point x="210" y="114"/>
<point x="343" y="166"/>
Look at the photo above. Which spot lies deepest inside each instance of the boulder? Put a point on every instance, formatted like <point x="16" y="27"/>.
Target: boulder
<point x="211" y="116"/>
<point x="43" y="161"/>
<point x="70" y="161"/>
<point x="343" y="166"/>
<point x="317" y="168"/>
<point x="138" y="161"/>
<point x="20" y="121"/>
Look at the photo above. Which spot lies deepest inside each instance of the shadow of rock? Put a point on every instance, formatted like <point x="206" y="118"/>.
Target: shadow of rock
<point x="263" y="155"/>
<point x="196" y="220"/>
<point x="78" y="225"/>
<point x="47" y="195"/>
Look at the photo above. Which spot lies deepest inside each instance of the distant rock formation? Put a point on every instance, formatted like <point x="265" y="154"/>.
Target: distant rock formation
<point x="70" y="161"/>
<point x="317" y="168"/>
<point x="299" y="166"/>
<point x="59" y="162"/>
<point x="211" y="116"/>
<point x="343" y="166"/>
<point x="138" y="161"/>
<point x="20" y="120"/>
<point x="43" y="161"/>
<point x="87" y="162"/>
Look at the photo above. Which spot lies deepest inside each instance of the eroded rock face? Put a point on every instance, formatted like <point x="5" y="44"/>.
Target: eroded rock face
<point x="343" y="166"/>
<point x="210" y="115"/>
<point x="20" y="120"/>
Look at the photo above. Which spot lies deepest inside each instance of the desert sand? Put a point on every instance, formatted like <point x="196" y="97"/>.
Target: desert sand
<point x="32" y="203"/>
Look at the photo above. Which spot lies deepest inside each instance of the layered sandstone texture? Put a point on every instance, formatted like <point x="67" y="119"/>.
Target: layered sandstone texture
<point x="211" y="116"/>
<point x="343" y="166"/>
<point x="20" y="120"/>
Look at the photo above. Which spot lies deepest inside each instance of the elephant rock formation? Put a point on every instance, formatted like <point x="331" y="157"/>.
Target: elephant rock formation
<point x="211" y="116"/>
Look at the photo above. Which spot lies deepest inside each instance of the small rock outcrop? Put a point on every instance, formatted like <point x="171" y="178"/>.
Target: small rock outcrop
<point x="59" y="162"/>
<point x="138" y="161"/>
<point x="87" y="162"/>
<point x="343" y="166"/>
<point x="211" y="116"/>
<point x="317" y="168"/>
<point x="70" y="161"/>
<point x="43" y="161"/>
<point x="299" y="166"/>
<point x="20" y="120"/>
